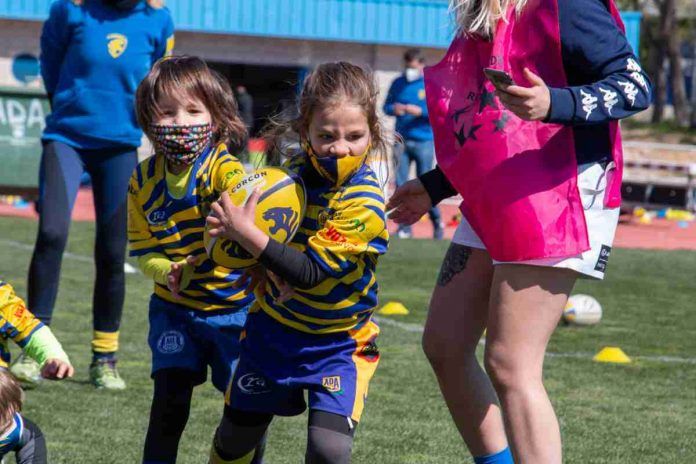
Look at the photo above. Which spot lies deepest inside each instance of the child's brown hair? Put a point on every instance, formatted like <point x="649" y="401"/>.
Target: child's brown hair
<point x="10" y="397"/>
<point x="179" y="76"/>
<point x="329" y="84"/>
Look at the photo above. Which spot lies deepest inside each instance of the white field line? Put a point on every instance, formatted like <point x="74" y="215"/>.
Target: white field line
<point x="405" y="326"/>
<point x="417" y="328"/>
<point x="75" y="257"/>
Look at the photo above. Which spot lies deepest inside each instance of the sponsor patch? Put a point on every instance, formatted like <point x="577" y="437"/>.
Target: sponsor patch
<point x="332" y="384"/>
<point x="603" y="258"/>
<point x="253" y="384"/>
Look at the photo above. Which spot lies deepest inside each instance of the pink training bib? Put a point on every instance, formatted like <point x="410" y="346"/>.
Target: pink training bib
<point x="518" y="179"/>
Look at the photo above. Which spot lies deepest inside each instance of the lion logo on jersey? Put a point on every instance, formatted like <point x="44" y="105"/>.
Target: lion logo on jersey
<point x="117" y="44"/>
<point x="283" y="218"/>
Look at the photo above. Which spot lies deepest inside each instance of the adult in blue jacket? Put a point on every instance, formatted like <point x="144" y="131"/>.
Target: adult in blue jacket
<point x="406" y="101"/>
<point x="94" y="53"/>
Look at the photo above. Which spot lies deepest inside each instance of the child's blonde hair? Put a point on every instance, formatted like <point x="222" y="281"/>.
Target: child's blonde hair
<point x="178" y="76"/>
<point x="481" y="16"/>
<point x="328" y="85"/>
<point x="10" y="397"/>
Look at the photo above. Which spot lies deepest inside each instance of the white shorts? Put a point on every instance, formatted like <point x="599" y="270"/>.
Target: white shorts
<point x="601" y="227"/>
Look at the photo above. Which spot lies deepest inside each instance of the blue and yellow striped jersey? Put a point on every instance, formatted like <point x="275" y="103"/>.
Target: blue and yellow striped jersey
<point x="160" y="223"/>
<point x="16" y="322"/>
<point x="344" y="230"/>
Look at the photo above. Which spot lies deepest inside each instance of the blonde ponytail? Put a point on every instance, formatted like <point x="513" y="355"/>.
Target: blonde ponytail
<point x="479" y="17"/>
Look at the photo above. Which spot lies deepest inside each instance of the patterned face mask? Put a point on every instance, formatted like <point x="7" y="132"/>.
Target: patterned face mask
<point x="181" y="145"/>
<point x="336" y="170"/>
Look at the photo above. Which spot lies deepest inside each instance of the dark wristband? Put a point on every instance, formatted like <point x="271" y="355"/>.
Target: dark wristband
<point x="437" y="185"/>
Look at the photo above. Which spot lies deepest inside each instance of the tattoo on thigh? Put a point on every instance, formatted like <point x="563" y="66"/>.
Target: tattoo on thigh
<point x="454" y="263"/>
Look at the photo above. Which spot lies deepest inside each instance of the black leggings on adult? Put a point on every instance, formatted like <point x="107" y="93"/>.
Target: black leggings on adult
<point x="61" y="169"/>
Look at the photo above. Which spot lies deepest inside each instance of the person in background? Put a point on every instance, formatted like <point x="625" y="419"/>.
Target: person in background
<point x="245" y="105"/>
<point x="94" y="53"/>
<point x="406" y="101"/>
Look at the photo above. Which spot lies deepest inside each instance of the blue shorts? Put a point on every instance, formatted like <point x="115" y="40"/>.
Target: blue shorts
<point x="189" y="339"/>
<point x="277" y="364"/>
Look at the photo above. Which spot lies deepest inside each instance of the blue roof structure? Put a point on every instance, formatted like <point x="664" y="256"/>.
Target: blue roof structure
<point x="425" y="23"/>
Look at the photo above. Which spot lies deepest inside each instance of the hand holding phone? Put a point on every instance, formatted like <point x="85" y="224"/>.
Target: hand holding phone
<point x="500" y="79"/>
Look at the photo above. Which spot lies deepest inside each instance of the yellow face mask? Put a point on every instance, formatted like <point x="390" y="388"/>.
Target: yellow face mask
<point x="336" y="170"/>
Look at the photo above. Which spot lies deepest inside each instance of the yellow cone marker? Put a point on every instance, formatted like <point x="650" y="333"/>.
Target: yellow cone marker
<point x="612" y="354"/>
<point x="393" y="308"/>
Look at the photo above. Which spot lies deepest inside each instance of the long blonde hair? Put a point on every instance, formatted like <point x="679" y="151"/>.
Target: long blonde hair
<point x="480" y="16"/>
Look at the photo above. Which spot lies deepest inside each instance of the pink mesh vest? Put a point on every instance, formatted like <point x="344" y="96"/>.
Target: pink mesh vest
<point x="518" y="179"/>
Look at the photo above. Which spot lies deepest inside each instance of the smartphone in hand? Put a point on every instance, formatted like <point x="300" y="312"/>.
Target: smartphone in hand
<point x="500" y="79"/>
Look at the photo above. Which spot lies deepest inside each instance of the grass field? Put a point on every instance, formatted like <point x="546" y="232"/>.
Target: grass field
<point x="644" y="412"/>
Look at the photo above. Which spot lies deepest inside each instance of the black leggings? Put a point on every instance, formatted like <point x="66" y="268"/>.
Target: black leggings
<point x="329" y="436"/>
<point x="61" y="169"/>
<point x="171" y="404"/>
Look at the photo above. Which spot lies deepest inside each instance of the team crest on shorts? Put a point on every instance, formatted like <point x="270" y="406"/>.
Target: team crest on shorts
<point x="332" y="384"/>
<point x="253" y="384"/>
<point x="170" y="342"/>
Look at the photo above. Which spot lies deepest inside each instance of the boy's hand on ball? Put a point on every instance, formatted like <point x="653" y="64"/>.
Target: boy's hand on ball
<point x="238" y="223"/>
<point x="57" y="369"/>
<point x="409" y="202"/>
<point x="233" y="222"/>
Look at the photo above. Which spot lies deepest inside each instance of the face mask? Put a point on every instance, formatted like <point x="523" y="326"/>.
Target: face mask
<point x="412" y="74"/>
<point x="122" y="4"/>
<point x="181" y="145"/>
<point x="336" y="170"/>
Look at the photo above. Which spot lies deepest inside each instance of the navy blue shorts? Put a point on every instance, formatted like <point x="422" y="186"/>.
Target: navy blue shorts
<point x="189" y="339"/>
<point x="278" y="364"/>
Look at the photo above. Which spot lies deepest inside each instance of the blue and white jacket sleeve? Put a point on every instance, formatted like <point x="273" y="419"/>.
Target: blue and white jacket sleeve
<point x="55" y="38"/>
<point x="389" y="102"/>
<point x="593" y="45"/>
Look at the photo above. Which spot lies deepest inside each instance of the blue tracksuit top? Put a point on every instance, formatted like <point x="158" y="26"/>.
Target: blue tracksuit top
<point x="409" y="93"/>
<point x="93" y="56"/>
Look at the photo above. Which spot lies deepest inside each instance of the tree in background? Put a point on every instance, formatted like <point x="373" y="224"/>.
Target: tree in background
<point x="661" y="39"/>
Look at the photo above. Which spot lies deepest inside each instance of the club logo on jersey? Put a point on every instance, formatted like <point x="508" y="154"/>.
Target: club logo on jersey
<point x="157" y="217"/>
<point x="421" y="94"/>
<point x="283" y="219"/>
<point x="116" y="44"/>
<point x="252" y="384"/>
<point x="603" y="258"/>
<point x="332" y="384"/>
<point x="170" y="342"/>
<point x="322" y="217"/>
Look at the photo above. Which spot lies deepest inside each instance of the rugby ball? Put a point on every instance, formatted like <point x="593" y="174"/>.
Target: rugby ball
<point x="279" y="213"/>
<point x="582" y="310"/>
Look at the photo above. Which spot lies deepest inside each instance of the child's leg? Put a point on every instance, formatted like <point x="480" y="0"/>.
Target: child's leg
<point x="171" y="403"/>
<point x="32" y="448"/>
<point x="329" y="438"/>
<point x="239" y="437"/>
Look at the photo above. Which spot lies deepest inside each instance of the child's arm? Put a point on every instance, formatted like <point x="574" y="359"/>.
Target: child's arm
<point x="359" y="228"/>
<point x="174" y="275"/>
<point x="36" y="339"/>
